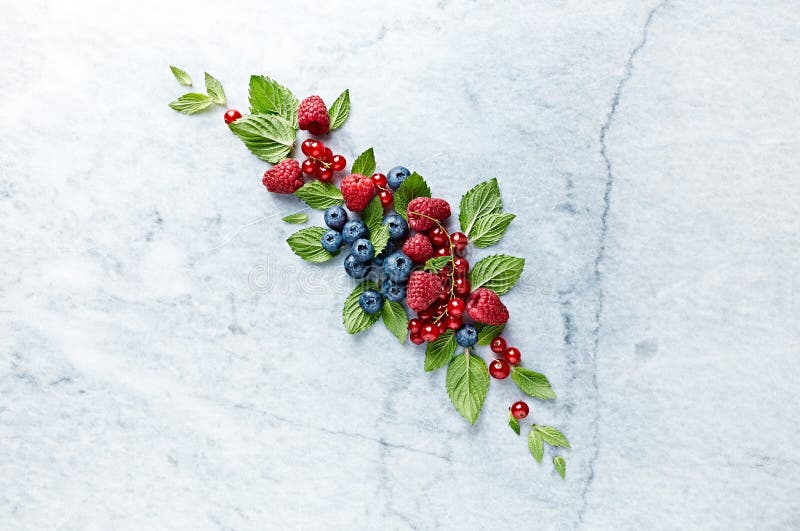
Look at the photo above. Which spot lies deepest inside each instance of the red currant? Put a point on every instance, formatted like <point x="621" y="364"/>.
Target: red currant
<point x="453" y="322"/>
<point x="456" y="307"/>
<point x="425" y="315"/>
<point x="444" y="297"/>
<point x="499" y="369"/>
<point x="520" y="410"/>
<point x="445" y="271"/>
<point x="316" y="149"/>
<point x="416" y="338"/>
<point x="307" y="146"/>
<point x="325" y="174"/>
<point x="430" y="332"/>
<point x="498" y="345"/>
<point x="386" y="198"/>
<point x="442" y="251"/>
<point x="512" y="355"/>
<point x="231" y="115"/>
<point x="459" y="240"/>
<point x="442" y="327"/>
<point x="327" y="156"/>
<point x="461" y="266"/>
<point x="379" y="180"/>
<point x="415" y="325"/>
<point x="309" y="167"/>
<point x="338" y="163"/>
<point x="438" y="237"/>
<point x="461" y="286"/>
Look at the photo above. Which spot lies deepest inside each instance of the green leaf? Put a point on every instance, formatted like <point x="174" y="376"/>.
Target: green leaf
<point x="307" y="244"/>
<point x="489" y="229"/>
<point x="365" y="163"/>
<point x="267" y="96"/>
<point x="320" y="195"/>
<point x="467" y="382"/>
<point x="489" y="332"/>
<point x="379" y="238"/>
<point x="498" y="272"/>
<point x="192" y="103"/>
<point x="560" y="465"/>
<point x="340" y="110"/>
<point x="396" y="319"/>
<point x="513" y="423"/>
<point x="440" y="352"/>
<point x="436" y="263"/>
<point x="182" y="76"/>
<point x="372" y="215"/>
<point x="535" y="444"/>
<point x="296" y="219"/>
<point x="552" y="436"/>
<point x="532" y="383"/>
<point x="268" y="136"/>
<point x="355" y="319"/>
<point x="413" y="186"/>
<point x="481" y="200"/>
<point x="214" y="89"/>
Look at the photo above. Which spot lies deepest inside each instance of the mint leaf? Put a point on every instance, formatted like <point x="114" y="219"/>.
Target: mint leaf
<point x="307" y="244"/>
<point x="296" y="219"/>
<point x="192" y="103"/>
<point x="513" y="423"/>
<point x="413" y="186"/>
<point x="320" y="195"/>
<point x="498" y="272"/>
<point x="396" y="319"/>
<point x="535" y="444"/>
<point x="489" y="229"/>
<point x="560" y="465"/>
<point x="340" y="110"/>
<point x="365" y="163"/>
<point x="552" y="436"/>
<point x="467" y="382"/>
<point x="435" y="264"/>
<point x="355" y="319"/>
<point x="532" y="383"/>
<point x="379" y="238"/>
<point x="268" y="136"/>
<point x="182" y="76"/>
<point x="373" y="214"/>
<point x="489" y="332"/>
<point x="267" y="96"/>
<point x="440" y="352"/>
<point x="214" y="89"/>
<point x="481" y="200"/>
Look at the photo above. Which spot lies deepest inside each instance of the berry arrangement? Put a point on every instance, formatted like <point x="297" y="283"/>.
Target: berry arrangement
<point x="398" y="246"/>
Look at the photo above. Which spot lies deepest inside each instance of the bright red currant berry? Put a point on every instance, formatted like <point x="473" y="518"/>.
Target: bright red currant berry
<point x="498" y="345"/>
<point x="379" y="180"/>
<point x="442" y="251"/>
<point x="325" y="174"/>
<point x="416" y="338"/>
<point x="386" y="198"/>
<point x="438" y="237"/>
<point x="338" y="163"/>
<point x="309" y="167"/>
<point x="425" y="315"/>
<point x="461" y="286"/>
<point x="307" y="146"/>
<point x="444" y="297"/>
<point x="415" y="325"/>
<point x="499" y="368"/>
<point x="520" y="410"/>
<point x="512" y="355"/>
<point x="430" y="332"/>
<point x="316" y="149"/>
<point x="459" y="240"/>
<point x="461" y="266"/>
<point x="231" y="115"/>
<point x="442" y="326"/>
<point x="327" y="156"/>
<point x="453" y="322"/>
<point x="456" y="307"/>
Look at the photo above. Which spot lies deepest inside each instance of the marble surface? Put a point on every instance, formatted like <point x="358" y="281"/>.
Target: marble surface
<point x="165" y="362"/>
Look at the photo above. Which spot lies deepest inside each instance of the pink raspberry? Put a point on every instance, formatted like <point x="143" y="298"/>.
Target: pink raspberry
<point x="484" y="306"/>
<point x="423" y="289"/>
<point x="312" y="116"/>
<point x="419" y="248"/>
<point x="431" y="207"/>
<point x="284" y="177"/>
<point x="357" y="191"/>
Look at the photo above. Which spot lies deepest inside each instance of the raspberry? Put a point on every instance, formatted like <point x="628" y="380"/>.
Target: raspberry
<point x="423" y="289"/>
<point x="284" y="177"/>
<point x="430" y="207"/>
<point x="485" y="307"/>
<point x="312" y="116"/>
<point x="418" y="248"/>
<point x="357" y="191"/>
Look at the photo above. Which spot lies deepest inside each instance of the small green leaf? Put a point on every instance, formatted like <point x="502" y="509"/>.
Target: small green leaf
<point x="535" y="444"/>
<point x="214" y="89"/>
<point x="372" y="215"/>
<point x="498" y="272"/>
<point x="467" y="382"/>
<point x="340" y="110"/>
<point x="182" y="76"/>
<point x="413" y="186"/>
<point x="513" y="423"/>
<point x="379" y="238"/>
<point x="489" y="332"/>
<point x="365" y="163"/>
<point x="532" y="383"/>
<point x="440" y="352"/>
<point x="320" y="195"/>
<point x="435" y="264"/>
<point x="268" y="136"/>
<point x="396" y="319"/>
<point x="552" y="436"/>
<point x="295" y="219"/>
<point x="489" y="229"/>
<point x="307" y="244"/>
<point x="267" y="96"/>
<point x="355" y="319"/>
<point x="483" y="199"/>
<point x="560" y="465"/>
<point x="192" y="103"/>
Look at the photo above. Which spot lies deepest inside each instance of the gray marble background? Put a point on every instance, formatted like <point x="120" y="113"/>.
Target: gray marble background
<point x="166" y="362"/>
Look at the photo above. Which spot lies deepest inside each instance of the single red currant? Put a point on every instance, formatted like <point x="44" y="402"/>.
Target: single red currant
<point x="327" y="156"/>
<point x="461" y="286"/>
<point x="425" y="315"/>
<point x="379" y="180"/>
<point x="325" y="174"/>
<point x="499" y="368"/>
<point x="438" y="237"/>
<point x="415" y="325"/>
<point x="520" y="410"/>
<point x="309" y="167"/>
<point x="307" y="146"/>
<point x="456" y="307"/>
<point x="338" y="163"/>
<point x="231" y="115"/>
<point x="416" y="338"/>
<point x="512" y="355"/>
<point x="442" y="327"/>
<point x="317" y="149"/>
<point x="453" y="322"/>
<point x="430" y="332"/>
<point x="442" y="251"/>
<point x="386" y="198"/>
<point x="444" y="297"/>
<point x="461" y="266"/>
<point x="459" y="240"/>
<point x="498" y="345"/>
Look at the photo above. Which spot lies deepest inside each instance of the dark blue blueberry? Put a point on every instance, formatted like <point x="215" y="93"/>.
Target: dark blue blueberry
<point x="396" y="176"/>
<point x="467" y="335"/>
<point x="354" y="230"/>
<point x="363" y="250"/>
<point x="371" y="301"/>
<point x="393" y="291"/>
<point x="331" y="241"/>
<point x="398" y="227"/>
<point x="354" y="268"/>
<point x="335" y="217"/>
<point x="397" y="266"/>
<point x="389" y="249"/>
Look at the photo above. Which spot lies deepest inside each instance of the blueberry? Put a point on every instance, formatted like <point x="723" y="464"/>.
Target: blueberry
<point x="354" y="230"/>
<point x="335" y="217"/>
<point x="389" y="249"/>
<point x="397" y="266"/>
<point x="363" y="250"/>
<point x="398" y="228"/>
<point x="393" y="291"/>
<point x="354" y="268"/>
<point x="467" y="335"/>
<point x="396" y="176"/>
<point x="371" y="301"/>
<point x="331" y="241"/>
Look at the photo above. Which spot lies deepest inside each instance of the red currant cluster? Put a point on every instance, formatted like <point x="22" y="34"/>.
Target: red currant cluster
<point x="501" y="366"/>
<point x="384" y="192"/>
<point x="321" y="162"/>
